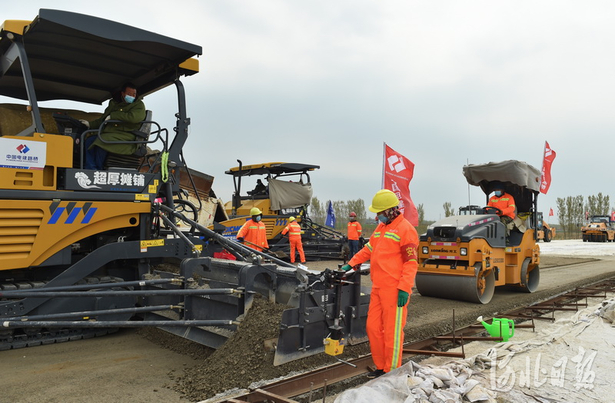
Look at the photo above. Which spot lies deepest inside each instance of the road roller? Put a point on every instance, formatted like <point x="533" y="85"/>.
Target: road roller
<point x="466" y="256"/>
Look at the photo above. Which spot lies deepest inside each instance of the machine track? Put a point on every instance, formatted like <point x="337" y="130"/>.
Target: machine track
<point x="30" y="337"/>
<point x="13" y="339"/>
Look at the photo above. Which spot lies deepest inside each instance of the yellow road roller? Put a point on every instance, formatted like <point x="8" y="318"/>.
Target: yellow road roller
<point x="464" y="257"/>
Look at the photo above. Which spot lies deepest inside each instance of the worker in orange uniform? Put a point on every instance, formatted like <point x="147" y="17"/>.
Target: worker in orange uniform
<point x="505" y="203"/>
<point x="391" y="251"/>
<point x="354" y="233"/>
<point x="294" y="238"/>
<point x="254" y="232"/>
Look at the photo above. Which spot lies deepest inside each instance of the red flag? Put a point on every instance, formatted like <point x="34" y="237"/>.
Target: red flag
<point x="612" y="215"/>
<point x="545" y="181"/>
<point x="550" y="212"/>
<point x="398" y="172"/>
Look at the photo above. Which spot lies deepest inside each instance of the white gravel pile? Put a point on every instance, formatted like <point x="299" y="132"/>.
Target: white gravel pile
<point x="576" y="247"/>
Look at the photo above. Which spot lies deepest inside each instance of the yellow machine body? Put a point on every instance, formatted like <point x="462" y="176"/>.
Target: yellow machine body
<point x="32" y="231"/>
<point x="476" y="260"/>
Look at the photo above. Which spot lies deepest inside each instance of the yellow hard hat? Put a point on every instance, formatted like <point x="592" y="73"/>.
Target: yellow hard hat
<point x="291" y="219"/>
<point x="255" y="211"/>
<point x="383" y="200"/>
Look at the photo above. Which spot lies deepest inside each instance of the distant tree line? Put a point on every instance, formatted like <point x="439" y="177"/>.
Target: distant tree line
<point x="342" y="209"/>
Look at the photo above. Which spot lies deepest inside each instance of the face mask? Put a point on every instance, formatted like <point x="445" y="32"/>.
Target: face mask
<point x="498" y="193"/>
<point x="129" y="99"/>
<point x="382" y="218"/>
<point x="257" y="219"/>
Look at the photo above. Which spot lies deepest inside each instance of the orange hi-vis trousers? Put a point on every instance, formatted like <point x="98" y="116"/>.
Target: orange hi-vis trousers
<point x="385" y="328"/>
<point x="295" y="243"/>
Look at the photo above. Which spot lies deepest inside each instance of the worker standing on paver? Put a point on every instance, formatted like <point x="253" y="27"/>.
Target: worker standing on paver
<point x="354" y="233"/>
<point x="294" y="238"/>
<point x="392" y="252"/>
<point x="254" y="232"/>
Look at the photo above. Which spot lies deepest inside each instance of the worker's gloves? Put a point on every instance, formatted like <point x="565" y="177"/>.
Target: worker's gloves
<point x="346" y="267"/>
<point x="240" y="239"/>
<point x="108" y="117"/>
<point x="402" y="298"/>
<point x="85" y="122"/>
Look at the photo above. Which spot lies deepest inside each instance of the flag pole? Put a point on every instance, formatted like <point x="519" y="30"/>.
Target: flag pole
<point x="469" y="202"/>
<point x="542" y="169"/>
<point x="384" y="153"/>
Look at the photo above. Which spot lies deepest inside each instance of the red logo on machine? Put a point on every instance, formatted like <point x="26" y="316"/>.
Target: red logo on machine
<point x="23" y="149"/>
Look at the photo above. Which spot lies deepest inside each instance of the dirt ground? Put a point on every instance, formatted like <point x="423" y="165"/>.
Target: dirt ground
<point x="146" y="366"/>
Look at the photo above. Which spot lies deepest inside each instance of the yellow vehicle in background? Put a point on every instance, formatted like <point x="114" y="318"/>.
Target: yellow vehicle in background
<point x="281" y="190"/>
<point x="544" y="232"/>
<point x="465" y="257"/>
<point x="599" y="229"/>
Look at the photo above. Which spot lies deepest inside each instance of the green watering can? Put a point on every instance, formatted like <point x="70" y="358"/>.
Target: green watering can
<point x="499" y="327"/>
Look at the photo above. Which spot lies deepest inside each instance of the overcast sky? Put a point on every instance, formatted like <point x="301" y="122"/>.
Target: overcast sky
<point x="441" y="82"/>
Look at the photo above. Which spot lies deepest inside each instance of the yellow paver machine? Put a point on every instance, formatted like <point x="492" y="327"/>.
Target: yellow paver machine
<point x="84" y="252"/>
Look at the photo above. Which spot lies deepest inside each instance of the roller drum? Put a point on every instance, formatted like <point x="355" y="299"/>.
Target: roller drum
<point x="478" y="288"/>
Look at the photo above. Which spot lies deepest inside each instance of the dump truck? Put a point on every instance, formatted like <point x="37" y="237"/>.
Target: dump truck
<point x="85" y="252"/>
<point x="544" y="232"/>
<point x="599" y="229"/>
<point x="465" y="257"/>
<point x="281" y="190"/>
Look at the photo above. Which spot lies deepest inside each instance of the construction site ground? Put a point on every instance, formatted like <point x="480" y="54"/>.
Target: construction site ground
<point x="149" y="365"/>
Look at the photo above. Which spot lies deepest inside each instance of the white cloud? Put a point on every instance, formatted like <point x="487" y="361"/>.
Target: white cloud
<point x="443" y="82"/>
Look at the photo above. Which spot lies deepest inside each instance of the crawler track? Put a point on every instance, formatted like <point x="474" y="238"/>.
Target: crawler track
<point x="21" y="338"/>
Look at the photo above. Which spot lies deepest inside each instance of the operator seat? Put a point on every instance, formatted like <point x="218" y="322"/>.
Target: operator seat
<point x="135" y="159"/>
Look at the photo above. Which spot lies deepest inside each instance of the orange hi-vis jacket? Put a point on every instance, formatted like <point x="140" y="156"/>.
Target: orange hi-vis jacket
<point x="293" y="229"/>
<point x="506" y="203"/>
<point x="294" y="239"/>
<point x="391" y="251"/>
<point x="354" y="230"/>
<point x="255" y="233"/>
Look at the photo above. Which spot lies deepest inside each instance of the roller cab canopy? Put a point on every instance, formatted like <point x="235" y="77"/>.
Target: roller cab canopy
<point x="87" y="59"/>
<point x="516" y="172"/>
<point x="519" y="178"/>
<point x="271" y="168"/>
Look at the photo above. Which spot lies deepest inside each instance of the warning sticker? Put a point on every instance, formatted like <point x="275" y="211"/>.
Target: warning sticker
<point x="151" y="242"/>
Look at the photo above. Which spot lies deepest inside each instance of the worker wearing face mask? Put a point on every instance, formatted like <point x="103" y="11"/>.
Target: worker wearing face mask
<point x="505" y="203"/>
<point x="129" y="112"/>
<point x="391" y="251"/>
<point x="254" y="232"/>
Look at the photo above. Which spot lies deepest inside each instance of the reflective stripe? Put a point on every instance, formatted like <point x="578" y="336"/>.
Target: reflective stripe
<point x="369" y="246"/>
<point x="393" y="236"/>
<point x="397" y="340"/>
<point x="376" y="235"/>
